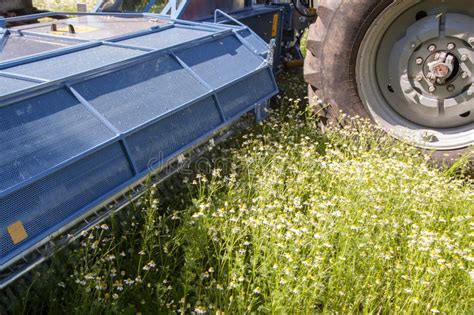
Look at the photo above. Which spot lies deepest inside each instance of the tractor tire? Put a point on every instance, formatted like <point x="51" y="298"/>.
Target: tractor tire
<point x="358" y="63"/>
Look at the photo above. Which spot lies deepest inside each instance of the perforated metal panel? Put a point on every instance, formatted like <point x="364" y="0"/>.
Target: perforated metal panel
<point x="221" y="61"/>
<point x="10" y="85"/>
<point x="40" y="133"/>
<point x="19" y="45"/>
<point x="243" y="94"/>
<point x="160" y="40"/>
<point x="151" y="146"/>
<point x="61" y="66"/>
<point x="255" y="42"/>
<point x="80" y="124"/>
<point x="131" y="97"/>
<point x="50" y="202"/>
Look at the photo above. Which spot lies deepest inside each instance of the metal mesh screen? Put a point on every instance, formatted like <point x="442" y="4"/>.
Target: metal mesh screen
<point x="48" y="202"/>
<point x="40" y="133"/>
<point x="131" y="97"/>
<point x="150" y="146"/>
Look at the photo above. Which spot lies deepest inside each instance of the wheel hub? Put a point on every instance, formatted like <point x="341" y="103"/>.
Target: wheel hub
<point x="434" y="63"/>
<point x="441" y="67"/>
<point x="415" y="69"/>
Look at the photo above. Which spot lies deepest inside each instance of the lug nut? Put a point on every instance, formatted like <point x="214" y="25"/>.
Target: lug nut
<point x="450" y="88"/>
<point x="464" y="75"/>
<point x="451" y="46"/>
<point x="419" y="61"/>
<point x="419" y="77"/>
<point x="471" y="41"/>
<point x="431" y="48"/>
<point x="428" y="137"/>
<point x="432" y="89"/>
<point x="464" y="58"/>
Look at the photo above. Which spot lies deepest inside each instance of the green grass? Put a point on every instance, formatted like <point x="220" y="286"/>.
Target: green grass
<point x="67" y="5"/>
<point x="70" y="5"/>
<point x="286" y="220"/>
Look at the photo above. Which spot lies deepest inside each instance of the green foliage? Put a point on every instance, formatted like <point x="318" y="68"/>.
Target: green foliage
<point x="70" y="5"/>
<point x="303" y="43"/>
<point x="290" y="221"/>
<point x="58" y="5"/>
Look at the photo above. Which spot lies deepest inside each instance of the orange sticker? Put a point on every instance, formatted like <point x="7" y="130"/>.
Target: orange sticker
<point x="275" y="25"/>
<point x="17" y="232"/>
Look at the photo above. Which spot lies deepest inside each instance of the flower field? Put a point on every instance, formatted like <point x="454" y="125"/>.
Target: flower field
<point x="281" y="219"/>
<point x="284" y="220"/>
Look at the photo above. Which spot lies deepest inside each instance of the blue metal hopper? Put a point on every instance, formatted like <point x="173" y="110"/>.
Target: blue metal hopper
<point x="93" y="105"/>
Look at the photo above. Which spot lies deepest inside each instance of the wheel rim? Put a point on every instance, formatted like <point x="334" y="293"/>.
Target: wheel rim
<point x="415" y="70"/>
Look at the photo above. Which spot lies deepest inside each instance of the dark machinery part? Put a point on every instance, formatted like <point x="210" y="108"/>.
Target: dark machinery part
<point x="16" y="8"/>
<point x="201" y="9"/>
<point x="15" y="5"/>
<point x="298" y="15"/>
<point x="20" y="8"/>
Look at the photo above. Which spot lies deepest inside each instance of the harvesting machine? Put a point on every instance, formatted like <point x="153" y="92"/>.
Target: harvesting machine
<point x="96" y="106"/>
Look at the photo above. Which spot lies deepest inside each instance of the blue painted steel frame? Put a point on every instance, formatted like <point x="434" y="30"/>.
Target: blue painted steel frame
<point x="149" y="6"/>
<point x="69" y="82"/>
